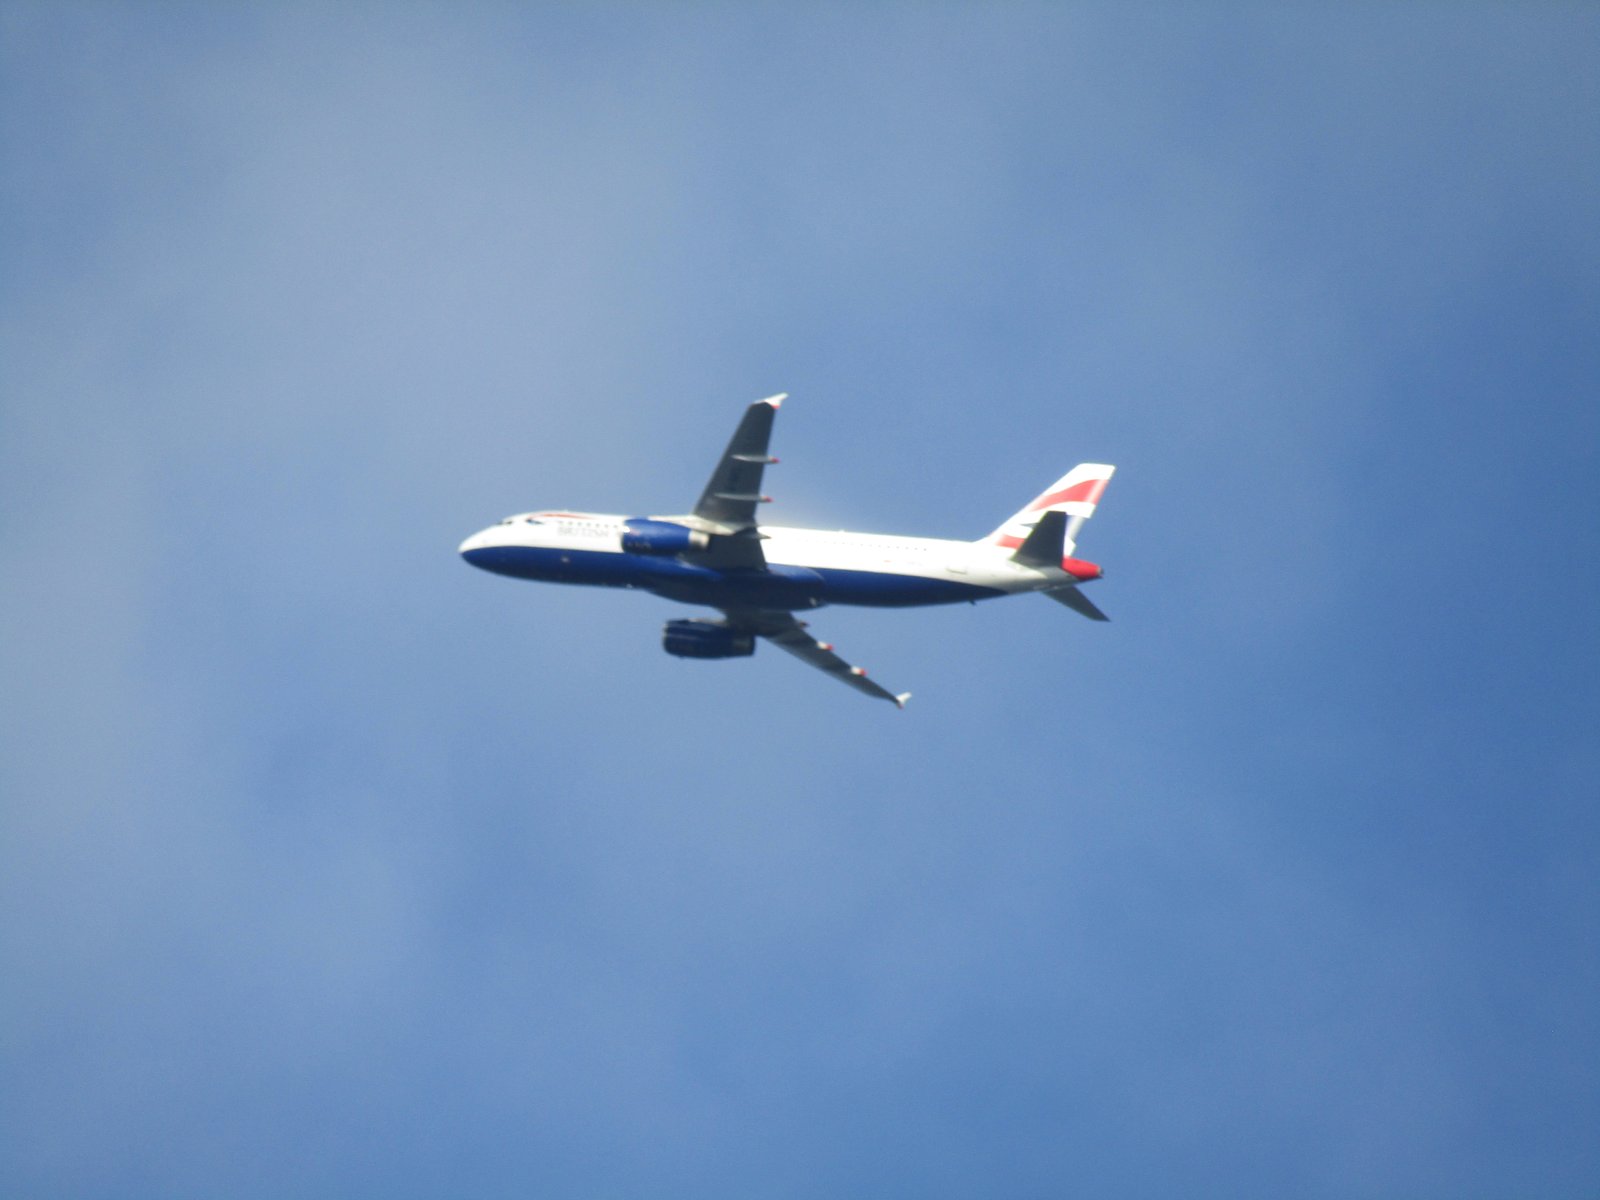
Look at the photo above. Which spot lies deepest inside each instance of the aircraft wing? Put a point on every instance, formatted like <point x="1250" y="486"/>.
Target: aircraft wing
<point x="730" y="499"/>
<point x="785" y="632"/>
<point x="734" y="491"/>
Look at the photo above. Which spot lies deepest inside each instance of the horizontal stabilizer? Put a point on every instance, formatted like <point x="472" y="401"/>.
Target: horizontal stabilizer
<point x="1045" y="544"/>
<point x="1077" y="601"/>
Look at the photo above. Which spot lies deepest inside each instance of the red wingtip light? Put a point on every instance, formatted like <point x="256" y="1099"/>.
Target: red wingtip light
<point x="1081" y="570"/>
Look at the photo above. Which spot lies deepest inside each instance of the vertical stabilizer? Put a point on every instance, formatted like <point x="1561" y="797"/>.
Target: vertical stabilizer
<point x="1076" y="494"/>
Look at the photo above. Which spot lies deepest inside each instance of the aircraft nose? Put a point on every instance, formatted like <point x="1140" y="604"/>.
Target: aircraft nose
<point x="480" y="548"/>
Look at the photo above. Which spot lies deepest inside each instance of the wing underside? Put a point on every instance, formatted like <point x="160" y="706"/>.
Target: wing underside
<point x="727" y="508"/>
<point x="789" y="634"/>
<point x="727" y="511"/>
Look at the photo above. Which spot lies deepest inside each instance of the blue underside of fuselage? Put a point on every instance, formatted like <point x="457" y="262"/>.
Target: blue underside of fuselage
<point x="779" y="586"/>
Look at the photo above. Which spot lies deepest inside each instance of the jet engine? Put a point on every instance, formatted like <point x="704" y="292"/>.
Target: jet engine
<point x="701" y="638"/>
<point x="640" y="535"/>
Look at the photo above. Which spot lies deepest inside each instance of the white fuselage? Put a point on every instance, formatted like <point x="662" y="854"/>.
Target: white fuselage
<point x="806" y="568"/>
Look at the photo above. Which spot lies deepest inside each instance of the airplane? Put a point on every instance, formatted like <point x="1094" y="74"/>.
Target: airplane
<point x="759" y="576"/>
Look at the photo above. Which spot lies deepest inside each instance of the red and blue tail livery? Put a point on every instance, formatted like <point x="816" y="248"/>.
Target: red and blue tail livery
<point x="759" y="576"/>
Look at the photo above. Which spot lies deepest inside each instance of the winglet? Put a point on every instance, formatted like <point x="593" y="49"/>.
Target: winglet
<point x="900" y="700"/>
<point x="776" y="401"/>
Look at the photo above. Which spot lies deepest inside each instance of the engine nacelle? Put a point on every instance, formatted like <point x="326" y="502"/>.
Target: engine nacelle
<point x="700" y="638"/>
<point x="640" y="535"/>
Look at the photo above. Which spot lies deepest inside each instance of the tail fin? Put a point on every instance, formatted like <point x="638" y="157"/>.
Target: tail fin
<point x="1076" y="493"/>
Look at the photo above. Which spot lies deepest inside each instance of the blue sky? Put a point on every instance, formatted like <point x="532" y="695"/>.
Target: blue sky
<point x="329" y="865"/>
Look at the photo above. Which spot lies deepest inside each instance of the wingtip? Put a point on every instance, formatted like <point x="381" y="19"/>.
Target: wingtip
<point x="775" y="401"/>
<point x="900" y="700"/>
